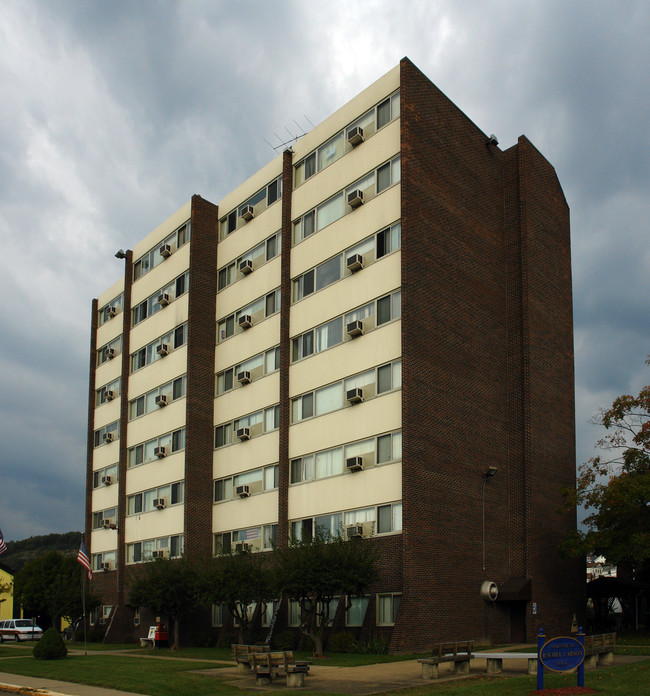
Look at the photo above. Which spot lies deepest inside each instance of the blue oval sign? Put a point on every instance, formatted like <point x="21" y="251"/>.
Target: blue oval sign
<point x="562" y="654"/>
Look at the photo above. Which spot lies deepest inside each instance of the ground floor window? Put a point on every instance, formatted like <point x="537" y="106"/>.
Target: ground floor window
<point x="387" y="606"/>
<point x="356" y="611"/>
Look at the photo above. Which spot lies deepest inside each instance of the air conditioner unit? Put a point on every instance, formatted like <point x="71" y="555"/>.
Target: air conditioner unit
<point x="109" y="395"/>
<point x="108" y="437"/>
<point x="109" y="523"/>
<point x="161" y="400"/>
<point x="105" y="566"/>
<point x="243" y="491"/>
<point x="354" y="531"/>
<point x="240" y="548"/>
<point x="160" y="452"/>
<point x="354" y="262"/>
<point x="246" y="266"/>
<point x="165" y="251"/>
<point x="355" y="136"/>
<point x="247" y="212"/>
<point x="244" y="377"/>
<point x="355" y="198"/>
<point x="107" y="480"/>
<point x="354" y="463"/>
<point x="354" y="396"/>
<point x="160" y="553"/>
<point x="111" y="311"/>
<point x="163" y="300"/>
<point x="245" y="321"/>
<point x="162" y="349"/>
<point x="354" y="328"/>
<point x="159" y="503"/>
<point x="244" y="433"/>
<point x="109" y="353"/>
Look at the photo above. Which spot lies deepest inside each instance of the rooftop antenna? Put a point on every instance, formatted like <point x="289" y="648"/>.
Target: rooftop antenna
<point x="293" y="137"/>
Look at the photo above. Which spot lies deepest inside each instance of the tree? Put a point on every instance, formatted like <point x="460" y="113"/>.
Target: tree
<point x="243" y="582"/>
<point x="314" y="573"/>
<point x="51" y="586"/>
<point x="168" y="586"/>
<point x="615" y="487"/>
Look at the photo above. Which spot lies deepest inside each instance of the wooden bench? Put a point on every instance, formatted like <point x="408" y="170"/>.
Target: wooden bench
<point x="599" y="649"/>
<point x="268" y="666"/>
<point x="460" y="653"/>
<point x="243" y="655"/>
<point x="495" y="660"/>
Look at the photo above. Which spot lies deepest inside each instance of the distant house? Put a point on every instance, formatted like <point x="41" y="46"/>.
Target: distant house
<point x="597" y="567"/>
<point x="6" y="592"/>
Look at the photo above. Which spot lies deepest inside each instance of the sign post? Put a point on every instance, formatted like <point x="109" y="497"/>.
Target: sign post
<point x="561" y="654"/>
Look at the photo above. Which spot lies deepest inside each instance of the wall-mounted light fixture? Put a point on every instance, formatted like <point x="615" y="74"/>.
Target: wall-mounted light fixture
<point x="121" y="254"/>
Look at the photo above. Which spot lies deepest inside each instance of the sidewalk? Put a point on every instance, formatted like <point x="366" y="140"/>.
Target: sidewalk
<point x="17" y="684"/>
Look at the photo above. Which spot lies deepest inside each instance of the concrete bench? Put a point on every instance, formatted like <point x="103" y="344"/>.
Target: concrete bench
<point x="268" y="666"/>
<point x="243" y="655"/>
<point x="495" y="660"/>
<point x="599" y="649"/>
<point x="460" y="653"/>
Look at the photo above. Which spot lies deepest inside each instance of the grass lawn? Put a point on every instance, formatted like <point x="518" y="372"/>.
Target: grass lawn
<point x="173" y="677"/>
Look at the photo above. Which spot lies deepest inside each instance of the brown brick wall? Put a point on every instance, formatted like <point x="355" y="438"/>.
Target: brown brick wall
<point x="90" y="443"/>
<point x="468" y="400"/>
<point x="202" y="333"/>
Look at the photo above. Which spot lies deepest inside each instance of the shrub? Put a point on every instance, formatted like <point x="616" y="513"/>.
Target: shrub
<point x="284" y="640"/>
<point x="50" y="646"/>
<point x="342" y="642"/>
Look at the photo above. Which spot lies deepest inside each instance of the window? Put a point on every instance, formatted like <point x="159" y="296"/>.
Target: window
<point x="154" y="256"/>
<point x="142" y="551"/>
<point x="109" y="351"/>
<point x="389" y="518"/>
<point x="258" y="256"/>
<point x="259" y="201"/>
<point x="160" y="396"/>
<point x="332" y="397"/>
<point x="108" y="392"/>
<point x="336" y="147"/>
<point x="159" y="348"/>
<point x="387" y="606"/>
<point x="313" y="221"/>
<point x="389" y="240"/>
<point x="356" y="610"/>
<point x="257" y="423"/>
<point x="171" y="494"/>
<point x="107" y="434"/>
<point x="110" y="515"/>
<point x="253" y="539"/>
<point x="260" y="309"/>
<point x="150" y="451"/>
<point x="99" y="561"/>
<point x="326" y="525"/>
<point x="257" y="480"/>
<point x="219" y="613"/>
<point x="331" y="334"/>
<point x="110" y="310"/>
<point x="324" y="275"/>
<point x="166" y="294"/>
<point x="389" y="447"/>
<point x="376" y="182"/>
<point x="105" y="476"/>
<point x="293" y="618"/>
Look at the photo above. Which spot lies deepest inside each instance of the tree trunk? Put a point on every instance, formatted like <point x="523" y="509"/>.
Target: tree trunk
<point x="177" y="643"/>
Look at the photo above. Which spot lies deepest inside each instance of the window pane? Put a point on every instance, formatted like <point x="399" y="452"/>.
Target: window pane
<point x="308" y="224"/>
<point x="396" y="170"/>
<point x="329" y="335"/>
<point x="383" y="379"/>
<point x="307" y="405"/>
<point x="384" y="519"/>
<point x="329" y="463"/>
<point x="396" y="305"/>
<point x="356" y="611"/>
<point x="383" y="310"/>
<point x="328" y="272"/>
<point x="329" y="398"/>
<point x="384" y="451"/>
<point x="310" y="165"/>
<point x="383" y="113"/>
<point x="330" y="211"/>
<point x="383" y="177"/>
<point x="331" y="151"/>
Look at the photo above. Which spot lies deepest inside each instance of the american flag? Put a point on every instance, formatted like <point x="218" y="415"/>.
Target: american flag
<point x="3" y="546"/>
<point x="82" y="557"/>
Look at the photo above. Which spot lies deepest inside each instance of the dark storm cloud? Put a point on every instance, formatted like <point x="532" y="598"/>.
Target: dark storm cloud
<point x="114" y="114"/>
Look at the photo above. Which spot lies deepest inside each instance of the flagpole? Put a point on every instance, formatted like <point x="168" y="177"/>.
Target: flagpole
<point x="83" y="605"/>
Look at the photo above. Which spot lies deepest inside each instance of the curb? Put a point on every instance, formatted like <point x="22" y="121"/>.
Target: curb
<point x="27" y="690"/>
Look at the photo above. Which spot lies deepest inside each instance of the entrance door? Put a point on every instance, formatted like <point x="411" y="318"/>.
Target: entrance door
<point x="518" y="622"/>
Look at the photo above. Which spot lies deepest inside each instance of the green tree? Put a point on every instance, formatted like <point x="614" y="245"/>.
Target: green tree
<point x="615" y="487"/>
<point x="51" y="586"/>
<point x="168" y="586"/>
<point x="242" y="581"/>
<point x="314" y="573"/>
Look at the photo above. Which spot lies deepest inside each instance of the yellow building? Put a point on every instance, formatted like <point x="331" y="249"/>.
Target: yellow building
<point x="6" y="593"/>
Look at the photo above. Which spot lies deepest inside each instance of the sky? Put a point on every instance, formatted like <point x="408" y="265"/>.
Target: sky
<point x="115" y="113"/>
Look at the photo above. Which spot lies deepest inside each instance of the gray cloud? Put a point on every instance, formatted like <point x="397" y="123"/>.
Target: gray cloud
<point x="114" y="114"/>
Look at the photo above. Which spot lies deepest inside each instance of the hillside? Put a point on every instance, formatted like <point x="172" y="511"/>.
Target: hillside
<point x="19" y="552"/>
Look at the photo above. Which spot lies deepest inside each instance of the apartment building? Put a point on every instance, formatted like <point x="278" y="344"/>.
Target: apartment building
<point x="373" y="335"/>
